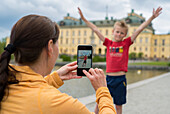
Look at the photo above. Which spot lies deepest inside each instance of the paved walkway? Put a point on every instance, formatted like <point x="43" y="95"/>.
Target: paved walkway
<point x="151" y="96"/>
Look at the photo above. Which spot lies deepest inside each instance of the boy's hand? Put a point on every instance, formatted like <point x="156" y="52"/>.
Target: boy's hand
<point x="92" y="26"/>
<point x="157" y="12"/>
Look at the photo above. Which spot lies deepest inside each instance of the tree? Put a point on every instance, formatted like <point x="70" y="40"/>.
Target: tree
<point x="140" y="55"/>
<point x="132" y="55"/>
<point x="2" y="45"/>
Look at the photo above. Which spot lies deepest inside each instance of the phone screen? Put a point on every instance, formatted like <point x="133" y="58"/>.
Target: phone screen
<point x="84" y="58"/>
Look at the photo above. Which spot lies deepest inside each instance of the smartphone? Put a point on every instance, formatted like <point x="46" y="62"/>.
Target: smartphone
<point x="84" y="58"/>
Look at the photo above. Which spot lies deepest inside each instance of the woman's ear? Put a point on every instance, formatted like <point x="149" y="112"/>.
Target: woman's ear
<point x="50" y="48"/>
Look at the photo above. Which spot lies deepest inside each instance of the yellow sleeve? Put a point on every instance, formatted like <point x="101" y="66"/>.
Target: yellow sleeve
<point x="104" y="101"/>
<point x="54" y="80"/>
<point x="54" y="102"/>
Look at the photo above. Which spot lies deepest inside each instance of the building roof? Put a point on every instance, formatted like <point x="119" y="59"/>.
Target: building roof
<point x="133" y="19"/>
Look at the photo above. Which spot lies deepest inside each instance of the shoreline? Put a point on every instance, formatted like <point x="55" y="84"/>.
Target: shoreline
<point x="142" y="67"/>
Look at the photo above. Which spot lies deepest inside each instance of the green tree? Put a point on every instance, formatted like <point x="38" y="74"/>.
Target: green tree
<point x="2" y="45"/>
<point x="75" y="57"/>
<point x="140" y="55"/>
<point x="99" y="59"/>
<point x="132" y="55"/>
<point x="65" y="57"/>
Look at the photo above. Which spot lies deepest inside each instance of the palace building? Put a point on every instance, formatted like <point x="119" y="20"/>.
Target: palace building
<point x="74" y="32"/>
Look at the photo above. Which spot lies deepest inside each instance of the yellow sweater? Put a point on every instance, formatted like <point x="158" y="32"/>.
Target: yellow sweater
<point x="37" y="95"/>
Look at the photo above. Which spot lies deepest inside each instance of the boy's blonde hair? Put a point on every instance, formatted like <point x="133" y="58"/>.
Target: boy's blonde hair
<point x="121" y="24"/>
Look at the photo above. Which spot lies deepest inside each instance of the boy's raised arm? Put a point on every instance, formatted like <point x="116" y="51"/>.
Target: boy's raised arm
<point x="146" y="23"/>
<point x="92" y="26"/>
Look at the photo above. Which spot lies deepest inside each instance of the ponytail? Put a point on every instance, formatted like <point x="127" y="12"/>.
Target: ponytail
<point x="6" y="76"/>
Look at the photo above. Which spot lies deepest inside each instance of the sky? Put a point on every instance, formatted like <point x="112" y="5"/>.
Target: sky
<point x="12" y="10"/>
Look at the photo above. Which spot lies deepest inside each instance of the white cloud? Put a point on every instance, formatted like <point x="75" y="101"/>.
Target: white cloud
<point x="12" y="10"/>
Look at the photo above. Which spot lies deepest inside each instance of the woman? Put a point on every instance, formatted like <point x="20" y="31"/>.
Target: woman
<point x="23" y="88"/>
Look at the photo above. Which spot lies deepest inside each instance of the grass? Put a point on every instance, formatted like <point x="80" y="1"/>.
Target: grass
<point x="160" y="63"/>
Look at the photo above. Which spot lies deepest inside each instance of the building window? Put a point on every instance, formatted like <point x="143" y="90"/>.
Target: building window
<point x="100" y="50"/>
<point x="146" y="40"/>
<point x="61" y="34"/>
<point x="65" y="51"/>
<point x="106" y="32"/>
<point x="162" y="56"/>
<point x="162" y="49"/>
<point x="155" y="42"/>
<point x="141" y="40"/>
<point x="100" y="42"/>
<point x="61" y="41"/>
<point x="154" y="49"/>
<point x="154" y="56"/>
<point x="78" y="40"/>
<point x="163" y="42"/>
<point x="66" y="40"/>
<point x="72" y="41"/>
<point x="84" y="40"/>
<point x="134" y="48"/>
<point x="67" y="33"/>
<point x="140" y="49"/>
<point x="146" y="49"/>
<point x="72" y="50"/>
<point x="92" y="41"/>
<point x="85" y="33"/>
<point x="61" y="50"/>
<point x="79" y="33"/>
<point x="73" y="33"/>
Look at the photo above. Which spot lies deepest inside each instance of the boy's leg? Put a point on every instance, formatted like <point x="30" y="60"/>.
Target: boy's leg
<point x="96" y="109"/>
<point x="119" y="109"/>
<point x="117" y="88"/>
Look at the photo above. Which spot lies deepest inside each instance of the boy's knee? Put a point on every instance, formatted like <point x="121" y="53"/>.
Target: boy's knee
<point x="118" y="107"/>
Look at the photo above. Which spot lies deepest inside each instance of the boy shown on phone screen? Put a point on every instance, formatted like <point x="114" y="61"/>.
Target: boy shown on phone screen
<point x="84" y="63"/>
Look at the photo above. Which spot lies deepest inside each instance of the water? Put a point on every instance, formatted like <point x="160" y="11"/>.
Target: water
<point x="82" y="87"/>
<point x="138" y="75"/>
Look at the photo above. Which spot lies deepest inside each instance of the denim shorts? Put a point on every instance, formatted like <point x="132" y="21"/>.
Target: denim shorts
<point x="117" y="88"/>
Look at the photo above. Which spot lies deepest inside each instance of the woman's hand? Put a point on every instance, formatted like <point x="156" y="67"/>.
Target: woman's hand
<point x="66" y="72"/>
<point x="96" y="77"/>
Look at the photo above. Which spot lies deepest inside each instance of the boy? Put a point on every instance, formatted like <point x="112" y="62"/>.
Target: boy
<point x="85" y="61"/>
<point x="117" y="56"/>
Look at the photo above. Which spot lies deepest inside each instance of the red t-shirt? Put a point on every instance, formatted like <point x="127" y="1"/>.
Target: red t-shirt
<point x="117" y="55"/>
<point x="85" y="57"/>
